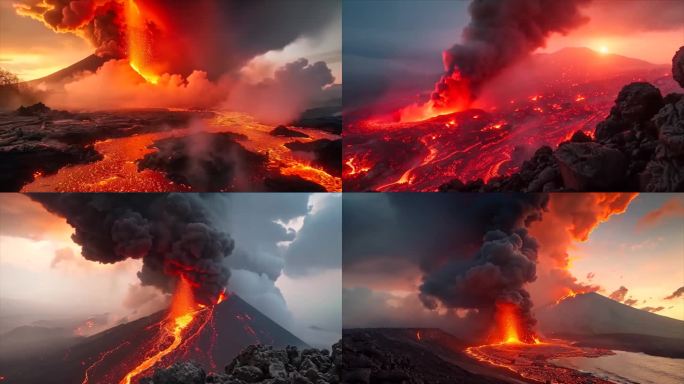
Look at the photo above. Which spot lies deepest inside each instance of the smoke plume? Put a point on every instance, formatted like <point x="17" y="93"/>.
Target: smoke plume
<point x="171" y="234"/>
<point x="678" y="293"/>
<point x="495" y="276"/>
<point x="500" y="33"/>
<point x="181" y="36"/>
<point x="101" y="22"/>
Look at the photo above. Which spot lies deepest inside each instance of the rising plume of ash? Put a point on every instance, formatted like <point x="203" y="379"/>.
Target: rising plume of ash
<point x="171" y="233"/>
<point x="500" y="33"/>
<point x="499" y="270"/>
<point x="101" y="22"/>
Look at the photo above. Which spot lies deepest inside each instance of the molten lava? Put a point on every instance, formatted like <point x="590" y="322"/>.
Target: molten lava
<point x="452" y="94"/>
<point x="508" y="323"/>
<point x="181" y="315"/>
<point x="139" y="43"/>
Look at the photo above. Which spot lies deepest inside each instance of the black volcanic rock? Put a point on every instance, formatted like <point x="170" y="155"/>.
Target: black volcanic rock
<point x="637" y="103"/>
<point x="590" y="166"/>
<point x="20" y="163"/>
<point x="261" y="365"/>
<point x="665" y="171"/>
<point x="33" y="110"/>
<point x="179" y="373"/>
<point x="379" y="356"/>
<point x="284" y="131"/>
<point x="678" y="66"/>
<point x="292" y="183"/>
<point x="327" y="153"/>
<point x="207" y="162"/>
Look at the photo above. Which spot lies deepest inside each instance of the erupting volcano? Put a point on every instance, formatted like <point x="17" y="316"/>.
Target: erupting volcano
<point x="500" y="99"/>
<point x="179" y="96"/>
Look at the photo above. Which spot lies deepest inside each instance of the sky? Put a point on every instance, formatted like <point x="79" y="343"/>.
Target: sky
<point x="390" y="49"/>
<point x="285" y="244"/>
<point x="393" y="244"/>
<point x="31" y="50"/>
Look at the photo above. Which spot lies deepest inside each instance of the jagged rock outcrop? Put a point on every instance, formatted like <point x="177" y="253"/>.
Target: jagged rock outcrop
<point x="260" y="365"/>
<point x="678" y="66"/>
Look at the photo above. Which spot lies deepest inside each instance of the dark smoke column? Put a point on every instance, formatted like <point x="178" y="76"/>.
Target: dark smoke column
<point x="500" y="33"/>
<point x="171" y="233"/>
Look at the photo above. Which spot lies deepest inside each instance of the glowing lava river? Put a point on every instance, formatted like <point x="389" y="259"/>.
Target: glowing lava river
<point x="184" y="322"/>
<point x="385" y="155"/>
<point x="119" y="171"/>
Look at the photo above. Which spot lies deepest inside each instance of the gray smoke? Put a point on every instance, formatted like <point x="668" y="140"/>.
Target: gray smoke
<point x="170" y="233"/>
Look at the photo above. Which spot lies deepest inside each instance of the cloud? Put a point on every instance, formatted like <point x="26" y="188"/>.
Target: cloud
<point x="22" y="217"/>
<point x="652" y="309"/>
<point x="619" y="294"/>
<point x="676" y="294"/>
<point x="318" y="245"/>
<point x="631" y="302"/>
<point x="672" y="208"/>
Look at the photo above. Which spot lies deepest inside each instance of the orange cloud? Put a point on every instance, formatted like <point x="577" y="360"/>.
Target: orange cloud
<point x="671" y="208"/>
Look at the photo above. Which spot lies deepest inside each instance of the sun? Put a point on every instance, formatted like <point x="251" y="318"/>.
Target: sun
<point x="603" y="50"/>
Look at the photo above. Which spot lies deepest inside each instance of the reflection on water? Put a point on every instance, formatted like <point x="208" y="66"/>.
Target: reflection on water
<point x="629" y="368"/>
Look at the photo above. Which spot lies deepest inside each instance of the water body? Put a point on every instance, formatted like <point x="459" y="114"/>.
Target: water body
<point x="629" y="368"/>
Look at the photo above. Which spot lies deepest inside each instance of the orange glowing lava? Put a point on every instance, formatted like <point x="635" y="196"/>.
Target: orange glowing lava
<point x="568" y="295"/>
<point x="418" y="335"/>
<point x="181" y="315"/>
<point x="507" y="322"/>
<point x="452" y="94"/>
<point x="139" y="44"/>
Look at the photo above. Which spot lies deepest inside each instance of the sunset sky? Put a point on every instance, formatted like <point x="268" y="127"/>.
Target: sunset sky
<point x="641" y="250"/>
<point x="43" y="275"/>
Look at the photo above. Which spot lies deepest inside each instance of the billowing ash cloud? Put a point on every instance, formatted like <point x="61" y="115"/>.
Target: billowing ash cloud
<point x="496" y="275"/>
<point x="502" y="32"/>
<point x="100" y="22"/>
<point x="473" y="251"/>
<point x="170" y="233"/>
<point x="182" y="36"/>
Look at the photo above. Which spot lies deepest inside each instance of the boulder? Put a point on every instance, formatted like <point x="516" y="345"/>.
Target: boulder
<point x="678" y="67"/>
<point x="186" y="372"/>
<point x="590" y="166"/>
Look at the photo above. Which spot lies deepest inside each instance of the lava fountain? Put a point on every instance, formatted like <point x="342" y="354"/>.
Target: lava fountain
<point x="139" y="43"/>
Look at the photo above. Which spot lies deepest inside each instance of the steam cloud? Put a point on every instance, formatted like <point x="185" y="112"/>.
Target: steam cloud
<point x="502" y="32"/>
<point x="172" y="234"/>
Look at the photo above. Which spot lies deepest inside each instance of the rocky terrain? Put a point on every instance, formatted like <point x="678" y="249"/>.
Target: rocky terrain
<point x="38" y="140"/>
<point x="260" y="364"/>
<point x="375" y="356"/>
<point x="639" y="147"/>
<point x="327" y="154"/>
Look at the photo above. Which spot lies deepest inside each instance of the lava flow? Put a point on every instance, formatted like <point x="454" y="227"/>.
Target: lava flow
<point x="492" y="137"/>
<point x="184" y="322"/>
<point x="523" y="353"/>
<point x="181" y="315"/>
